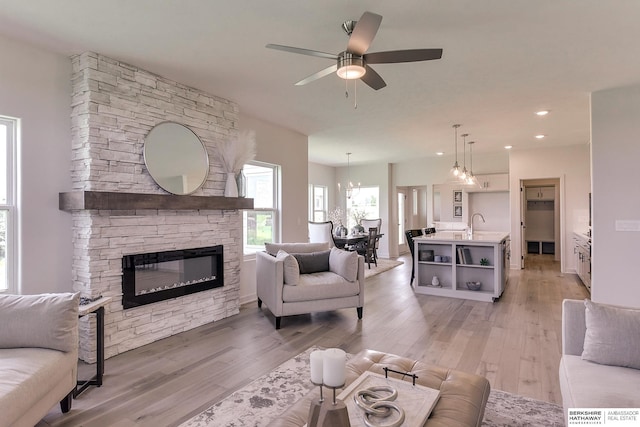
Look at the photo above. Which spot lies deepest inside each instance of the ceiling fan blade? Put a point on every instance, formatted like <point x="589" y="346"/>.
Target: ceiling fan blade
<point x="301" y="51"/>
<point x="363" y="33"/>
<point x="318" y="75"/>
<point x="373" y="79"/>
<point x="410" y="55"/>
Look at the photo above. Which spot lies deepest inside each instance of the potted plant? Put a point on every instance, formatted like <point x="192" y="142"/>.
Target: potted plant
<point x="358" y="216"/>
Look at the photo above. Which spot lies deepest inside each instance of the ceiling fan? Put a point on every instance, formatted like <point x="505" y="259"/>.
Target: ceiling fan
<point x="353" y="63"/>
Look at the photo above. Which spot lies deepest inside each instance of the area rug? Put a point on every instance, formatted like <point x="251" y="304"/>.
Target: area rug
<point x="270" y="395"/>
<point x="383" y="265"/>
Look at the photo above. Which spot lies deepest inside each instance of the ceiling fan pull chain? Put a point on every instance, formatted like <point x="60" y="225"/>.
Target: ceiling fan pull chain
<point x="355" y="93"/>
<point x="346" y="88"/>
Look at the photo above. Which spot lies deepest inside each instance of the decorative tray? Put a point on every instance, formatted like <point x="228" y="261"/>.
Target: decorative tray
<point x="416" y="400"/>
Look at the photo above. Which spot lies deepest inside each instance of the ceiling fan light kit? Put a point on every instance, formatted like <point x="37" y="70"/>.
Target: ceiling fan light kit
<point x="350" y="67"/>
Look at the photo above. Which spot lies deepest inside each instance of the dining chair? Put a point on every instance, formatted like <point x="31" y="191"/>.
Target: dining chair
<point x="368" y="247"/>
<point x="367" y="224"/>
<point x="410" y="234"/>
<point x="321" y="232"/>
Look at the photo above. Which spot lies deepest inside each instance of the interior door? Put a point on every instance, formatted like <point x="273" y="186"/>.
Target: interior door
<point x="523" y="224"/>
<point x="402" y="221"/>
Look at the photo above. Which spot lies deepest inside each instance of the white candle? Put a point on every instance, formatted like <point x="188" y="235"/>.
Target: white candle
<point x="316" y="361"/>
<point x="334" y="367"/>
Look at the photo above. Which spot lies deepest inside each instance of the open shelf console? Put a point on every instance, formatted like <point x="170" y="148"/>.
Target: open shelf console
<point x="444" y="267"/>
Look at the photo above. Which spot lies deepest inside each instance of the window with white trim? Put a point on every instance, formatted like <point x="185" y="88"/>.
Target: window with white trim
<point x="260" y="225"/>
<point x="318" y="202"/>
<point x="8" y="141"/>
<point x="363" y="204"/>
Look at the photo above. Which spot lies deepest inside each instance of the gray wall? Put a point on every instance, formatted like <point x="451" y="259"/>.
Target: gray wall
<point x="571" y="166"/>
<point x="35" y="86"/>
<point x="288" y="149"/>
<point x="615" y="154"/>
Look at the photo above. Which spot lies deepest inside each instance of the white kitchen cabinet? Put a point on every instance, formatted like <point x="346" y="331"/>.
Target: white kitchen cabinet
<point x="541" y="193"/>
<point x="491" y="182"/>
<point x="582" y="256"/>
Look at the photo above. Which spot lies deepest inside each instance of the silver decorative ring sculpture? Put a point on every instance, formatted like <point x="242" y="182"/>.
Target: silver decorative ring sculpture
<point x="377" y="402"/>
<point x="396" y="422"/>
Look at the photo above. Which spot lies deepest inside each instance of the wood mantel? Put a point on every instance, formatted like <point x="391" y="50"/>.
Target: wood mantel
<point x="107" y="200"/>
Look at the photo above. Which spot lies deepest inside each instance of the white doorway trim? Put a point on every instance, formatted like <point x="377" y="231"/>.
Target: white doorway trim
<point x="559" y="216"/>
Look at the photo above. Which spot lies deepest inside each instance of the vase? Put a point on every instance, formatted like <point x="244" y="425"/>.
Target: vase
<point x="241" y="182"/>
<point x="231" y="188"/>
<point x="340" y="230"/>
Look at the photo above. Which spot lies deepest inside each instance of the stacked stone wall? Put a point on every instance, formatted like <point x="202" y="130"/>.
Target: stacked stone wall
<point x="114" y="106"/>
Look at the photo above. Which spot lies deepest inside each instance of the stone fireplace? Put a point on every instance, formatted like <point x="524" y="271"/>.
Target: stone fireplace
<point x="114" y="105"/>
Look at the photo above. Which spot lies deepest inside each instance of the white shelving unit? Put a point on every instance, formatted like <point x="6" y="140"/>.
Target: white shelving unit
<point x="453" y="274"/>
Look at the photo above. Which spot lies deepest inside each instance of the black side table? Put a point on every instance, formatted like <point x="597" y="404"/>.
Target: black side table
<point x="96" y="307"/>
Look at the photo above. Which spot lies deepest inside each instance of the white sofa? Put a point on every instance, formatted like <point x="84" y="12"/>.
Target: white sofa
<point x="286" y="289"/>
<point x="609" y="335"/>
<point x="38" y="356"/>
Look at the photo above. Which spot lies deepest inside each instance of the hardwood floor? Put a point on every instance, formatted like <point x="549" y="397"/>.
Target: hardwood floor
<point x="515" y="342"/>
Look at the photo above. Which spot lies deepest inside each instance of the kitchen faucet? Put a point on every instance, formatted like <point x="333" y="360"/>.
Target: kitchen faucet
<point x="471" y="222"/>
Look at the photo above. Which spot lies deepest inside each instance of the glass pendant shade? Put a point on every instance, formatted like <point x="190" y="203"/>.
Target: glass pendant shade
<point x="455" y="170"/>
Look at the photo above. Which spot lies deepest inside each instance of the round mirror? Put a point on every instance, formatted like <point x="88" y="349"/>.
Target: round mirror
<point x="176" y="158"/>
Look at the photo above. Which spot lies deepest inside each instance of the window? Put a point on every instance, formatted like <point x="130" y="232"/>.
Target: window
<point x="318" y="203"/>
<point x="260" y="224"/>
<point x="363" y="204"/>
<point x="401" y="216"/>
<point x="8" y="138"/>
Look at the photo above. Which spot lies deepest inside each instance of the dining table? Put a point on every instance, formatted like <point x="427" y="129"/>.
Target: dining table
<point x="349" y="240"/>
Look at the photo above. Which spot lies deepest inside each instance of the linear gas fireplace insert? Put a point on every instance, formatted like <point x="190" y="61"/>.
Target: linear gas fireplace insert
<point x="157" y="276"/>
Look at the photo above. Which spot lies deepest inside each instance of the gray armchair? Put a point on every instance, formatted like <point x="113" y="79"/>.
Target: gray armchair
<point x="290" y="285"/>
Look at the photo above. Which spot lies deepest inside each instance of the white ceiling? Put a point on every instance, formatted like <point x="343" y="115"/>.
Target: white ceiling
<point x="503" y="60"/>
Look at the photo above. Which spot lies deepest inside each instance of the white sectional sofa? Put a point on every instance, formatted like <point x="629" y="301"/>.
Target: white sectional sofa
<point x="300" y="278"/>
<point x="38" y="356"/>
<point x="600" y="365"/>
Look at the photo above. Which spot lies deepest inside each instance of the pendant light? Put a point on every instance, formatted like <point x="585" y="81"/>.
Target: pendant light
<point x="463" y="173"/>
<point x="455" y="170"/>
<point x="349" y="187"/>
<point x="471" y="178"/>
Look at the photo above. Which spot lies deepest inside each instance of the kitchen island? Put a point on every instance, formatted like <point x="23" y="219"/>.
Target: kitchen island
<point x="446" y="261"/>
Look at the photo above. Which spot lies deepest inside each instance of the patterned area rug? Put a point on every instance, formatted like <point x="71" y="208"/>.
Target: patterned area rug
<point x="270" y="395"/>
<point x="383" y="265"/>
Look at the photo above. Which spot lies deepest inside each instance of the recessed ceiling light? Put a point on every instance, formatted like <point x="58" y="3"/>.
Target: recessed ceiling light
<point x="540" y="136"/>
<point x="542" y="112"/>
<point x="508" y="147"/>
<point x="439" y="153"/>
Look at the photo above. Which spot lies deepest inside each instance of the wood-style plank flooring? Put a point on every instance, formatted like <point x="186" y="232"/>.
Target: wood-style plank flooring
<point x="515" y="342"/>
